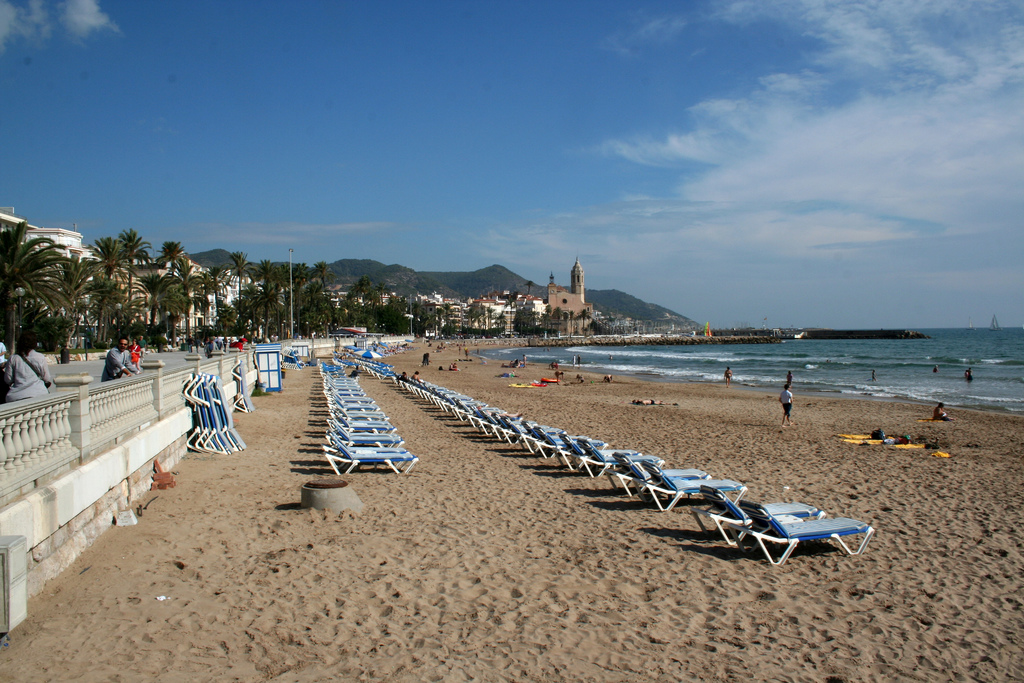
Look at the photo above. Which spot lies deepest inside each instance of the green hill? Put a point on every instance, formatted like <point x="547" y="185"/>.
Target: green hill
<point x="612" y="302"/>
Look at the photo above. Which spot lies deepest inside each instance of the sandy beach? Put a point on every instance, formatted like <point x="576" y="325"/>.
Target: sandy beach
<point x="486" y="563"/>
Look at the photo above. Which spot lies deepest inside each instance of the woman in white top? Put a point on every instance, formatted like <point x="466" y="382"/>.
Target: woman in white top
<point x="26" y="372"/>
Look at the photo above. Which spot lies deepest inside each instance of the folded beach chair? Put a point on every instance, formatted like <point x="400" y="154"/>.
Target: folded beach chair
<point x="398" y="459"/>
<point x="790" y="531"/>
<point x="665" y="490"/>
<point x="721" y="511"/>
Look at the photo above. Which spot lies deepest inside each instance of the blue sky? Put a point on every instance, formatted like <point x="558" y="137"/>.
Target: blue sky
<point x="815" y="162"/>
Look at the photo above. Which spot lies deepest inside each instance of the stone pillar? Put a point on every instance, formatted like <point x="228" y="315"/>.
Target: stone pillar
<point x="158" y="383"/>
<point x="78" y="414"/>
<point x="219" y="356"/>
<point x="195" y="358"/>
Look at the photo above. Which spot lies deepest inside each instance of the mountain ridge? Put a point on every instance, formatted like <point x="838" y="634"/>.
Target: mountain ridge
<point x="471" y="284"/>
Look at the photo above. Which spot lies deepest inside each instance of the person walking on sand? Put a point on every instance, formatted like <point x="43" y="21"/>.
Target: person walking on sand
<point x="786" y="399"/>
<point x="728" y="377"/>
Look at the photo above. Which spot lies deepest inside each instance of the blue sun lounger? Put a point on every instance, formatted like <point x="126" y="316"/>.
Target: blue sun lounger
<point x="655" y="484"/>
<point x="721" y="510"/>
<point x="790" y="531"/>
<point x="398" y="459"/>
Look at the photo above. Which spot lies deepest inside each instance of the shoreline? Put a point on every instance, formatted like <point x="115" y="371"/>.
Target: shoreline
<point x="807" y="391"/>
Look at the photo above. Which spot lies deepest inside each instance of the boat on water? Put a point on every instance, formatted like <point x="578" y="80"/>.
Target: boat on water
<point x="994" y="327"/>
<point x="970" y="325"/>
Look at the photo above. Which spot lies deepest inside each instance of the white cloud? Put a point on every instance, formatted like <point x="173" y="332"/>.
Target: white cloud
<point x="933" y="141"/>
<point x="31" y="20"/>
<point x="82" y="17"/>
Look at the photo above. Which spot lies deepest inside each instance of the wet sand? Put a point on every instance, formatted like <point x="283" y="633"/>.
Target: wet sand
<point x="487" y="563"/>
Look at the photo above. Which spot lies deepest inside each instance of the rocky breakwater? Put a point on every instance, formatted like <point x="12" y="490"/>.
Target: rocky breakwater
<point x="646" y="341"/>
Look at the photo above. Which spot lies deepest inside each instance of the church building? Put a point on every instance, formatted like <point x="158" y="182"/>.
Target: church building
<point x="576" y="313"/>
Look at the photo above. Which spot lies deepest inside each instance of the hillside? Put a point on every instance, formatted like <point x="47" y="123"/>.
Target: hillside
<point x="622" y="305"/>
<point x="407" y="282"/>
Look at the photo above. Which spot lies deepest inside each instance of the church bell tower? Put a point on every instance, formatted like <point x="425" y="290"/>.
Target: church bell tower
<point x="576" y="278"/>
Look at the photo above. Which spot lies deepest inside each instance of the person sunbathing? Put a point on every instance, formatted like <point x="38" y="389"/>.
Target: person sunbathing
<point x="940" y="414"/>
<point x="648" y="402"/>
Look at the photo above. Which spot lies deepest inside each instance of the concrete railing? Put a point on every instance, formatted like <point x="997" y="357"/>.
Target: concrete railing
<point x="44" y="438"/>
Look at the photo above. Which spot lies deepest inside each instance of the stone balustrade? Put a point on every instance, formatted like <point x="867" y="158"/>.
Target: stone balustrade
<point x="44" y="438"/>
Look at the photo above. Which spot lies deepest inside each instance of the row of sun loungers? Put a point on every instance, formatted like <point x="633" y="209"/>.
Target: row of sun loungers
<point x="358" y="432"/>
<point x="738" y="521"/>
<point x="741" y="523"/>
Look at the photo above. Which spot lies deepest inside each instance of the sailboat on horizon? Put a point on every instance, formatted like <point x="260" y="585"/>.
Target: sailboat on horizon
<point x="970" y="325"/>
<point x="994" y="327"/>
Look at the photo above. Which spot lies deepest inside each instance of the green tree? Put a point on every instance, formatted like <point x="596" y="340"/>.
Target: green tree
<point x="28" y="263"/>
<point x="136" y="253"/>
<point x="154" y="288"/>
<point x="109" y="253"/>
<point x="74" y="280"/>
<point x="188" y="280"/>
<point x="170" y="254"/>
<point x="240" y="268"/>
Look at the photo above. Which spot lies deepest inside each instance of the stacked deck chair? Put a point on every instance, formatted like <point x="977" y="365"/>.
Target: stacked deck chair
<point x="358" y="432"/>
<point x="213" y="429"/>
<point x="243" y="399"/>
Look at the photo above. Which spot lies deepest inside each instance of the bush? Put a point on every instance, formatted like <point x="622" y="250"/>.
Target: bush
<point x="157" y="341"/>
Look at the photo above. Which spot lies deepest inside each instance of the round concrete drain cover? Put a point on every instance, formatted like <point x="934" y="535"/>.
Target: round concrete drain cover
<point x="330" y="494"/>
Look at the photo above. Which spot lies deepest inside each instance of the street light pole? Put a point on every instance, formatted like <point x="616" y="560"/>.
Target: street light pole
<point x="20" y="292"/>
<point x="291" y="299"/>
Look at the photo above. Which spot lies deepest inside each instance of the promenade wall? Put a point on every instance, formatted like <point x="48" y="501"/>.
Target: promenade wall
<point x="70" y="461"/>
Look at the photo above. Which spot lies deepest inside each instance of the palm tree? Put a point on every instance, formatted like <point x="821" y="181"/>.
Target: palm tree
<point x="176" y="304"/>
<point x="170" y="254"/>
<point x="74" y="277"/>
<point x="109" y="252"/>
<point x="240" y="268"/>
<point x="268" y="297"/>
<point x="264" y="271"/>
<point x="106" y="301"/>
<point x="155" y="287"/>
<point x="29" y="264"/>
<point x="188" y="279"/>
<point x="215" y="283"/>
<point x="585" y="317"/>
<point x="136" y="253"/>
<point x="322" y="271"/>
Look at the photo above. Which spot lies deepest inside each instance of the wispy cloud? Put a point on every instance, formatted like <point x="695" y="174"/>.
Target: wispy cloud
<point x="284" y="233"/>
<point x="644" y="32"/>
<point x="32" y="20"/>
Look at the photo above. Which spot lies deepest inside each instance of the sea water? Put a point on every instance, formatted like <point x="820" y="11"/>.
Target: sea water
<point x="903" y="368"/>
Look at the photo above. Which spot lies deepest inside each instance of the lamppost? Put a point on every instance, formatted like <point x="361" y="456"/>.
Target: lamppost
<point x="409" y="316"/>
<point x="20" y="292"/>
<point x="291" y="299"/>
